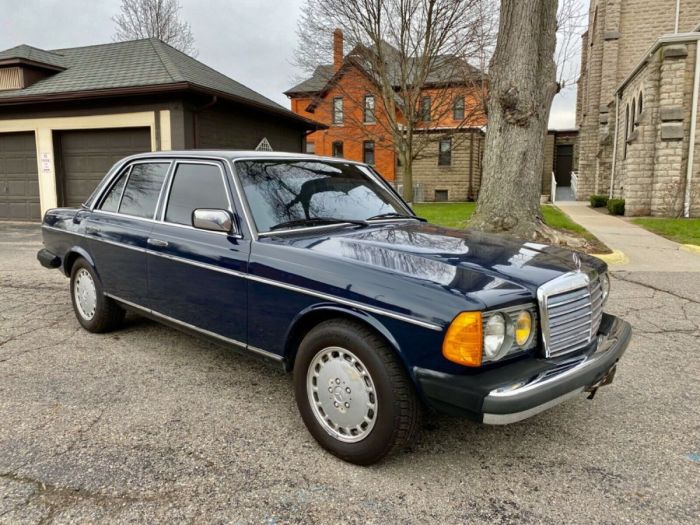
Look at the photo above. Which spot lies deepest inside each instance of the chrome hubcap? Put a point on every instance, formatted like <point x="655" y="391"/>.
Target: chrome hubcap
<point x="342" y="394"/>
<point x="85" y="294"/>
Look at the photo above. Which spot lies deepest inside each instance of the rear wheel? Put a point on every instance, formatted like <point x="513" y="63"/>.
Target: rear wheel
<point x="94" y="311"/>
<point x="353" y="394"/>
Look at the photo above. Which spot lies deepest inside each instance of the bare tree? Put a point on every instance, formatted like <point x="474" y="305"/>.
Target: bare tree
<point x="154" y="18"/>
<point x="523" y="82"/>
<point x="407" y="48"/>
<point x="571" y="22"/>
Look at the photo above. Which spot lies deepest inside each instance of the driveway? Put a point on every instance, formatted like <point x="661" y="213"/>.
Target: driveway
<point x="149" y="425"/>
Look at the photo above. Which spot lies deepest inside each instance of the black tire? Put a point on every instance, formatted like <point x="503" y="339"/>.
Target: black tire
<point x="398" y="409"/>
<point x="108" y="315"/>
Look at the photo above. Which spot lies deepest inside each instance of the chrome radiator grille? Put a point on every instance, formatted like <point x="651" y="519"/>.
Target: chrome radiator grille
<point x="571" y="310"/>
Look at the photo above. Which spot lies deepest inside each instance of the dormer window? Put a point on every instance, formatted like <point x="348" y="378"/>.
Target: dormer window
<point x="22" y="66"/>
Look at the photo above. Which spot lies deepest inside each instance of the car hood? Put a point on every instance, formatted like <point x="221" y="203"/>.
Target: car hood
<point x="449" y="257"/>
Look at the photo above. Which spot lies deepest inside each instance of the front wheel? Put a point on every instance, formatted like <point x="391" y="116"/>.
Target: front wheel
<point x="353" y="394"/>
<point x="95" y="312"/>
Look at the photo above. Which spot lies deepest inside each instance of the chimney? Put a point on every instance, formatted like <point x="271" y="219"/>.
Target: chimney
<point x="337" y="49"/>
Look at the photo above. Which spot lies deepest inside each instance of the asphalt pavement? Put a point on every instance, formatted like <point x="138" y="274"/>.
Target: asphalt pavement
<point x="150" y="425"/>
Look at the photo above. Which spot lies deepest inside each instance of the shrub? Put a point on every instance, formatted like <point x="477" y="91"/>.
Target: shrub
<point x="616" y="206"/>
<point x="599" y="201"/>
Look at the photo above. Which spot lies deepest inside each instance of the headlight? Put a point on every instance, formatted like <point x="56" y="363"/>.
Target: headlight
<point x="523" y="328"/>
<point x="494" y="336"/>
<point x="605" y="285"/>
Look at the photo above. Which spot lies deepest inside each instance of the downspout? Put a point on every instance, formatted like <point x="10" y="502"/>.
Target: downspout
<point x="693" y="130"/>
<point x="678" y="14"/>
<point x="195" y="119"/>
<point x="614" y="159"/>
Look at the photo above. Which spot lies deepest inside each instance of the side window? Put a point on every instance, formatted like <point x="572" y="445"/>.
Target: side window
<point x="142" y="189"/>
<point x="111" y="201"/>
<point x="195" y="186"/>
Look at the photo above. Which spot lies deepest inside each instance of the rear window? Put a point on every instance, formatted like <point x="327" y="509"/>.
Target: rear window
<point x="142" y="189"/>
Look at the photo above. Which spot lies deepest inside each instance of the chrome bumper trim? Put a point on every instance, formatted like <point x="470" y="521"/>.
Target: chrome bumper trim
<point x="505" y="419"/>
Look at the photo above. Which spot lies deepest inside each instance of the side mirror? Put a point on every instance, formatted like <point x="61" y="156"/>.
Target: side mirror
<point x="213" y="220"/>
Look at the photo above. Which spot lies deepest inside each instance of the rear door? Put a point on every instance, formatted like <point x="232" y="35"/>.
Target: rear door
<point x="195" y="276"/>
<point x="119" y="227"/>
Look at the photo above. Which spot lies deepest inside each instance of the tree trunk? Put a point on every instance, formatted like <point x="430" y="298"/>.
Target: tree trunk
<point x="406" y="159"/>
<point x="523" y="84"/>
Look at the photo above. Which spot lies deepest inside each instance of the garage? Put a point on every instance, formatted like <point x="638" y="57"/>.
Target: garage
<point x="19" y="181"/>
<point x="85" y="156"/>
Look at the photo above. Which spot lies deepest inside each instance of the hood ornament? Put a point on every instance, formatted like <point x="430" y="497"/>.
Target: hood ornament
<point x="577" y="261"/>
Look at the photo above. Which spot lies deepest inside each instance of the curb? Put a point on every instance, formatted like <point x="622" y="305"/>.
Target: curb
<point x="616" y="257"/>
<point x="692" y="248"/>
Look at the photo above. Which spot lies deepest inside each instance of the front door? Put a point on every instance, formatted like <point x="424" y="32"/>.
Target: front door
<point x="196" y="276"/>
<point x="119" y="227"/>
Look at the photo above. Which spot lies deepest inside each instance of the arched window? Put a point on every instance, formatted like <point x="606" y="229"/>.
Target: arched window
<point x="641" y="104"/>
<point x="627" y="130"/>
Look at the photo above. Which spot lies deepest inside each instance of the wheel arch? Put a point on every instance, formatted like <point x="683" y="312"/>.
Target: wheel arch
<point x="73" y="255"/>
<point x="316" y="314"/>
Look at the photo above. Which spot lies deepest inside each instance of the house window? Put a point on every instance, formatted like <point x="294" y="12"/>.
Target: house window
<point x="368" y="152"/>
<point x="338" y="149"/>
<point x="369" y="109"/>
<point x="458" y="109"/>
<point x="338" y="110"/>
<point x="441" y="195"/>
<point x="310" y="148"/>
<point x="445" y="153"/>
<point x="425" y="109"/>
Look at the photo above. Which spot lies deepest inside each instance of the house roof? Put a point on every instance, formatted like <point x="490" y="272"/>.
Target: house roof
<point x="447" y="69"/>
<point x="124" y="67"/>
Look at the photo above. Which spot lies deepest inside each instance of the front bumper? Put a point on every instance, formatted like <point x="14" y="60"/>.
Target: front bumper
<point x="521" y="389"/>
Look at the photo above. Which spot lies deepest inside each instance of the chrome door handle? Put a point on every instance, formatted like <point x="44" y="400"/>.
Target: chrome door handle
<point x="157" y="242"/>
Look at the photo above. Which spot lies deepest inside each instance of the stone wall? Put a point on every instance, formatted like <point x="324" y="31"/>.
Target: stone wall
<point x="462" y="178"/>
<point x="652" y="155"/>
<point x="619" y="34"/>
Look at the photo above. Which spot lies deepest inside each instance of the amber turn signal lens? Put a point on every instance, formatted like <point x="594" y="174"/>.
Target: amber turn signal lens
<point x="464" y="339"/>
<point x="523" y="328"/>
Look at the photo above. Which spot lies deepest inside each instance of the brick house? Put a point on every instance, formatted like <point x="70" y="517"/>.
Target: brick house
<point x="343" y="96"/>
<point x="637" y="106"/>
<point x="67" y="115"/>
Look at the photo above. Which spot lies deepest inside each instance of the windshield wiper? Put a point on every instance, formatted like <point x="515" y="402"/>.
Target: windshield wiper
<point x="313" y="221"/>
<point x="395" y="215"/>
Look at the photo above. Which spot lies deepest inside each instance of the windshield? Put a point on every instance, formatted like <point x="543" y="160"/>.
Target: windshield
<point x="305" y="192"/>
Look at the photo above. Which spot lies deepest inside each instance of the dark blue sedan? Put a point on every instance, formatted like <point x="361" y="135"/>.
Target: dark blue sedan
<point x="318" y="264"/>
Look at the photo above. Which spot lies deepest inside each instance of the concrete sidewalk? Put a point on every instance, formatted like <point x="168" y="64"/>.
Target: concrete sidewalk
<point x="643" y="251"/>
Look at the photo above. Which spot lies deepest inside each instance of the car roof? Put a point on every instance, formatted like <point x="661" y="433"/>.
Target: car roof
<point x="237" y="154"/>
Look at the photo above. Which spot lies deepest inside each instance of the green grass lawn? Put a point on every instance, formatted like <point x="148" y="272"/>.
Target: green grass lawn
<point x="684" y="231"/>
<point x="457" y="214"/>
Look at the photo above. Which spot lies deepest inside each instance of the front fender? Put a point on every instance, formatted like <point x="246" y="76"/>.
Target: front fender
<point x="317" y="313"/>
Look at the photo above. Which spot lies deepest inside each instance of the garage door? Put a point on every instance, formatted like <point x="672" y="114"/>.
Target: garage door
<point x="19" y="182"/>
<point x="86" y="156"/>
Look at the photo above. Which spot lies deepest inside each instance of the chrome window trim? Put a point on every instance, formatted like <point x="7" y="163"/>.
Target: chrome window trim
<point x="102" y="189"/>
<point x="171" y="180"/>
<point x="367" y="170"/>
<point x="248" y="347"/>
<point x="279" y="284"/>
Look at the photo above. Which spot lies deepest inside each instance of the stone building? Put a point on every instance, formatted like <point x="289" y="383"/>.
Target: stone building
<point x="637" y="106"/>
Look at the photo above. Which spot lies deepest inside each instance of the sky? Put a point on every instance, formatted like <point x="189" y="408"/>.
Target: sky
<point x="251" y="41"/>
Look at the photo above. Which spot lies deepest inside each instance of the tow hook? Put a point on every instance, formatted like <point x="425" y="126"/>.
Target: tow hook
<point x="605" y="381"/>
